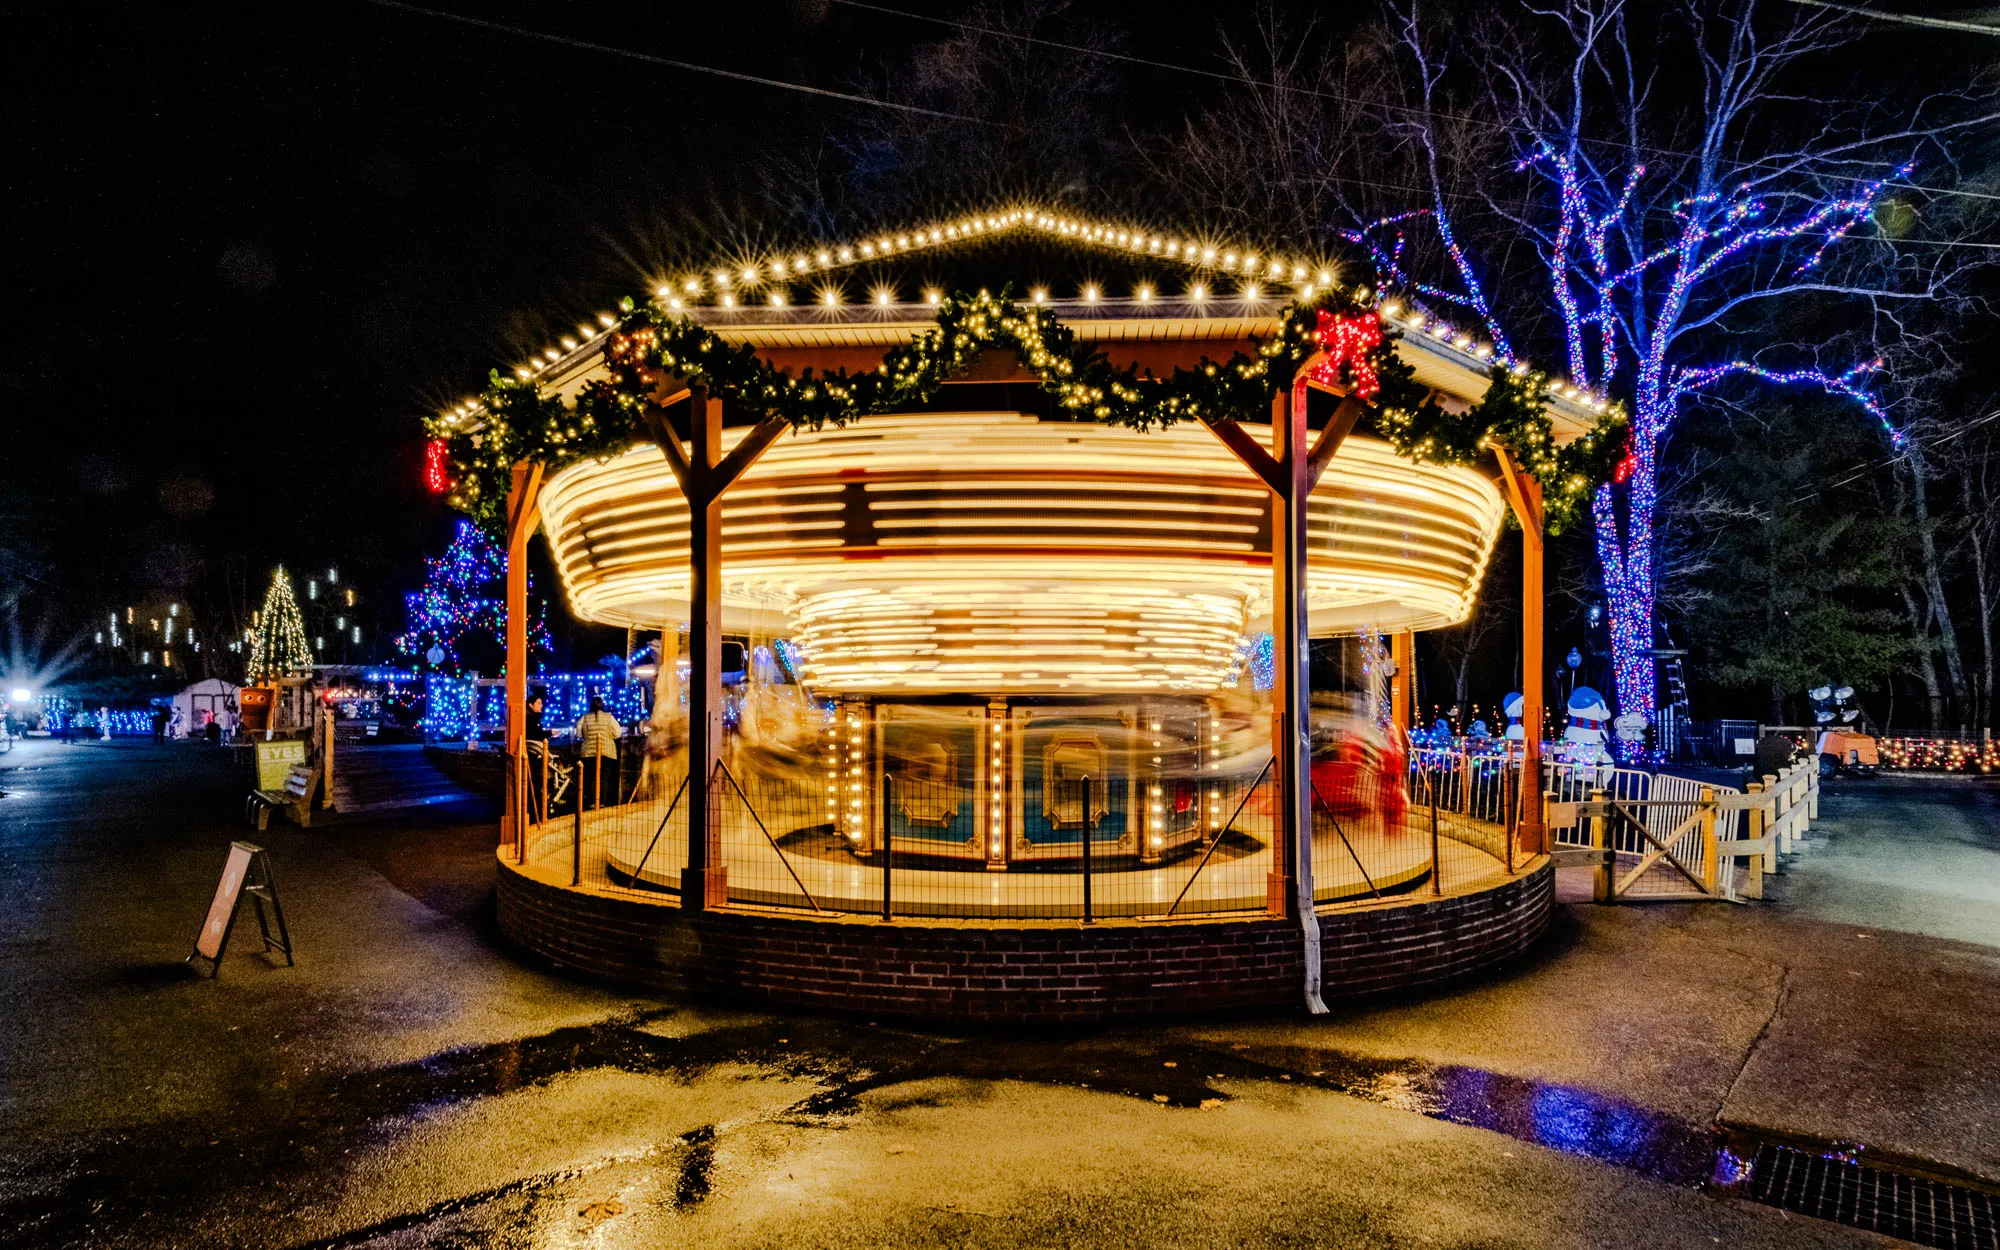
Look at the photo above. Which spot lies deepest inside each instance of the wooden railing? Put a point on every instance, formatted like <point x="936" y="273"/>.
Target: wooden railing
<point x="1692" y="839"/>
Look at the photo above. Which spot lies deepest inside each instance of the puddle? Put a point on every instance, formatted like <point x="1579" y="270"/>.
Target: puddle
<point x="1560" y="1117"/>
<point x="290" y="1146"/>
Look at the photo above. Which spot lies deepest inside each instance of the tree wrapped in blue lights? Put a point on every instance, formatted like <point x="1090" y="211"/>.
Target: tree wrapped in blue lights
<point x="462" y="608"/>
<point x="1667" y="236"/>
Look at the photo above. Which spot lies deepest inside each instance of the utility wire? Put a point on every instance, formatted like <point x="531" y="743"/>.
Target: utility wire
<point x="1872" y="465"/>
<point x="1907" y="19"/>
<point x="1355" y="101"/>
<point x="670" y="63"/>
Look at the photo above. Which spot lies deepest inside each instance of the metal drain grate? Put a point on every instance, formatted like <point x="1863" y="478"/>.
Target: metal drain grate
<point x="1931" y="1213"/>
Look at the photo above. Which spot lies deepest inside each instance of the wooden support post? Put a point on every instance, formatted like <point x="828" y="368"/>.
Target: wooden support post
<point x="1525" y="495"/>
<point x="1403" y="684"/>
<point x="1769" y="785"/>
<point x="1293" y="688"/>
<point x="1713" y="870"/>
<point x="1605" y="874"/>
<point x="326" y="761"/>
<point x="705" y="881"/>
<point x="1753" y="885"/>
<point x="1289" y="470"/>
<point x="704" y="473"/>
<point x="524" y="512"/>
<point x="1781" y="806"/>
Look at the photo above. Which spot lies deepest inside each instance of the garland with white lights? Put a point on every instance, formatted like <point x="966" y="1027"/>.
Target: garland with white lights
<point x="653" y="343"/>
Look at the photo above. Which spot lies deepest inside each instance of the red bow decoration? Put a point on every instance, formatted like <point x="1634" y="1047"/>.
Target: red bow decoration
<point x="1627" y="465"/>
<point x="1348" y="341"/>
<point x="436" y="457"/>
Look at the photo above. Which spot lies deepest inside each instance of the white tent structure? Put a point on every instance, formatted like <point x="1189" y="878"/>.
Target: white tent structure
<point x="206" y="700"/>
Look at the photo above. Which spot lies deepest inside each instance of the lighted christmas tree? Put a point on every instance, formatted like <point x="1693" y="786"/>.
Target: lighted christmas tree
<point x="462" y="609"/>
<point x="279" y="648"/>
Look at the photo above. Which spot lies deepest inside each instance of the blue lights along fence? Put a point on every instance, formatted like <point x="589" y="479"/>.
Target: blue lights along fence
<point x="462" y="707"/>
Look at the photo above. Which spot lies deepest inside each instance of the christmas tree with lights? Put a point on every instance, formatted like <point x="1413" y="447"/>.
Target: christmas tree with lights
<point x="279" y="648"/>
<point x="462" y="608"/>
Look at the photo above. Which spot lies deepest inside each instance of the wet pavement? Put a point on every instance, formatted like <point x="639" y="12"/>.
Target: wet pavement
<point x="412" y="1083"/>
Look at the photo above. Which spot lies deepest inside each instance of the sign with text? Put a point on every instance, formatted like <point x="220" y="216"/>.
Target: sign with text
<point x="275" y="760"/>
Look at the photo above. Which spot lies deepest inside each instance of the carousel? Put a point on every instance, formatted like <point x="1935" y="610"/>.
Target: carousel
<point x="1026" y="531"/>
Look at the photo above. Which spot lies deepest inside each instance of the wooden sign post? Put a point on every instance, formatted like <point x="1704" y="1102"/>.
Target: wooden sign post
<point x="246" y="871"/>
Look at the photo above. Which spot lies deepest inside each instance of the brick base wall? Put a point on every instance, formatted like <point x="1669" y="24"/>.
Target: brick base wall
<point x="1046" y="973"/>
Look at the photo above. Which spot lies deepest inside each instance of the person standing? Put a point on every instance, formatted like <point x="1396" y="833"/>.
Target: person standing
<point x="536" y="741"/>
<point x="597" y="733"/>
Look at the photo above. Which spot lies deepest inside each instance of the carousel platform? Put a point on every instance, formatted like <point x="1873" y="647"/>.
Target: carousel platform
<point x="804" y="928"/>
<point x="815" y="874"/>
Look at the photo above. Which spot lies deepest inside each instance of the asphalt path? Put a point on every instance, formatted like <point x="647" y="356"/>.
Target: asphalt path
<point x="413" y="1082"/>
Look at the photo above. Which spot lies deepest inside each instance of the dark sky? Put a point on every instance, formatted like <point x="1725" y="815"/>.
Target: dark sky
<point x="252" y="245"/>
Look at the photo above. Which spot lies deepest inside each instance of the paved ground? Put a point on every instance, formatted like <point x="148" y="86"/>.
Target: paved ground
<point x="410" y="1083"/>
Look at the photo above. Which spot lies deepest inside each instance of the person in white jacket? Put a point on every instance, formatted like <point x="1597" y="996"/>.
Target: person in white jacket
<point x="597" y="734"/>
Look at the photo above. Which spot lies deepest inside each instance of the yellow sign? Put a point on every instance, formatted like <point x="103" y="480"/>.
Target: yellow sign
<point x="275" y="760"/>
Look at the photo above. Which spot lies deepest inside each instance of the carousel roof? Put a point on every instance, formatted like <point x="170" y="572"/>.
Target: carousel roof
<point x="843" y="304"/>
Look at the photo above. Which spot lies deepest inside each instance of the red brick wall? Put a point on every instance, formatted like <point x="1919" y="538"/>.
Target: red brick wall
<point x="1072" y="973"/>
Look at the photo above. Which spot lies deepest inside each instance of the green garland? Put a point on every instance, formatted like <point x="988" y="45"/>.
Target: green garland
<point x="650" y="345"/>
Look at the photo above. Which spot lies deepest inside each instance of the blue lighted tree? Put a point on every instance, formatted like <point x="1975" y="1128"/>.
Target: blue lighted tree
<point x="462" y="608"/>
<point x="1672" y="224"/>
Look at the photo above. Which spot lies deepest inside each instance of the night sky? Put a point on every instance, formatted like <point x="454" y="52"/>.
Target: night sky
<point x="255" y="244"/>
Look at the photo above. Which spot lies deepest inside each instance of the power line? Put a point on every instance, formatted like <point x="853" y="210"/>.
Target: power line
<point x="1907" y="19"/>
<point x="1321" y="93"/>
<point x="1870" y="466"/>
<point x="671" y="63"/>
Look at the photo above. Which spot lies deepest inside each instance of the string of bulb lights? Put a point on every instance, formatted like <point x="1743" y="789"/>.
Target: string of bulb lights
<point x="1263" y="277"/>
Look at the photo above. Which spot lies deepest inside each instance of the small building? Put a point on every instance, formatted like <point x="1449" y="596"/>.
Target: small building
<point x="210" y="699"/>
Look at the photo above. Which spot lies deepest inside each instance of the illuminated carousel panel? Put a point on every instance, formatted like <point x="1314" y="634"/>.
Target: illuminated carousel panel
<point x="998" y="553"/>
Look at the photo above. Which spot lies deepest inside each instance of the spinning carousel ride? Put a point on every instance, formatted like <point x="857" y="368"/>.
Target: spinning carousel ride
<point x="1030" y="580"/>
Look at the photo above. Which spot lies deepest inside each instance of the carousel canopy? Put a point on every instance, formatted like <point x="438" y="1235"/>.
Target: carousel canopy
<point x="990" y="542"/>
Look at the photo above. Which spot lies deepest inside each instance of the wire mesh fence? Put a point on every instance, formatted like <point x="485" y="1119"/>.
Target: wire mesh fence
<point x="873" y="819"/>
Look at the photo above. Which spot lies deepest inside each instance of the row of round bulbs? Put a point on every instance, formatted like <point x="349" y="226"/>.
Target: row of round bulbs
<point x="1248" y="264"/>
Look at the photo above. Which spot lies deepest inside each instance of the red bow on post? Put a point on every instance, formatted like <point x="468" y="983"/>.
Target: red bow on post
<point x="1348" y="341"/>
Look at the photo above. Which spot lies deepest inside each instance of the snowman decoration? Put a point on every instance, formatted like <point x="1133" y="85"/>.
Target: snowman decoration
<point x="1512" y="705"/>
<point x="1584" y="741"/>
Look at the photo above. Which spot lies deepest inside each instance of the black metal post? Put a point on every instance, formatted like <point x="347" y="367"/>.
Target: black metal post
<point x="888" y="851"/>
<point x="1437" y="873"/>
<point x="1084" y="785"/>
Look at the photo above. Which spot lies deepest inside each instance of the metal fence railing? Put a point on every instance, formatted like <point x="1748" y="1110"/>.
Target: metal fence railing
<point x="917" y="836"/>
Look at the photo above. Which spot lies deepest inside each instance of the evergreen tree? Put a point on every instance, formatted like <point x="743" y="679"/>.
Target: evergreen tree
<point x="279" y="647"/>
<point x="1800" y="591"/>
<point x="462" y="608"/>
